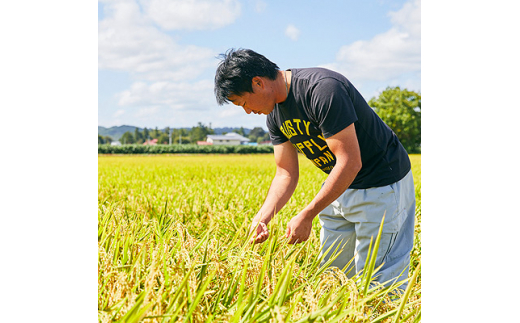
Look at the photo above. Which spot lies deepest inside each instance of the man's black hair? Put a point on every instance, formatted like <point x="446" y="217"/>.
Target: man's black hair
<point x="236" y="71"/>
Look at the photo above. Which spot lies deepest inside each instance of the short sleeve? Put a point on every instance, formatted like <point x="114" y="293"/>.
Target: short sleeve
<point x="276" y="135"/>
<point x="332" y="107"/>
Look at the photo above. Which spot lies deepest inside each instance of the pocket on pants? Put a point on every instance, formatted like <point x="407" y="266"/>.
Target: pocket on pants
<point x="391" y="241"/>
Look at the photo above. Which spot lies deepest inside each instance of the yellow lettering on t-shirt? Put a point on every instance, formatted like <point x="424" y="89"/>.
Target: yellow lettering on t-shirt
<point x="323" y="160"/>
<point x="287" y="131"/>
<point x="289" y="127"/>
<point x="307" y="124"/>
<point x="329" y="156"/>
<point x="300" y="147"/>
<point x="317" y="161"/>
<point x="282" y="129"/>
<point x="321" y="137"/>
<point x="297" y="121"/>
<point x="308" y="145"/>
<point x="320" y="148"/>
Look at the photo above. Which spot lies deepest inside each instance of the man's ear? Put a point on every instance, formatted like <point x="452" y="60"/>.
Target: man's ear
<point x="257" y="81"/>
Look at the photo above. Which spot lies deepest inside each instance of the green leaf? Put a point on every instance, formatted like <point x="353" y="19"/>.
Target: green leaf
<point x="407" y="292"/>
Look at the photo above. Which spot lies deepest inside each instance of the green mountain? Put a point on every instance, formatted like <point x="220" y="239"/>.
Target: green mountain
<point x="116" y="132"/>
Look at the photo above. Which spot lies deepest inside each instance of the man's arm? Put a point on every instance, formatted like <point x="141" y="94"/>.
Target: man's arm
<point x="281" y="190"/>
<point x="344" y="145"/>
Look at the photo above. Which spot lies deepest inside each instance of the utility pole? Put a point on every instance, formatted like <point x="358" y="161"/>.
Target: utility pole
<point x="170" y="135"/>
<point x="180" y="133"/>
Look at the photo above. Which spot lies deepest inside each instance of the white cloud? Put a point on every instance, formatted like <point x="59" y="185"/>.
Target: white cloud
<point x="292" y="32"/>
<point x="260" y="6"/>
<point x="230" y="111"/>
<point x="192" y="14"/>
<point x="128" y="41"/>
<point x="389" y="55"/>
<point x="177" y="96"/>
<point x="147" y="112"/>
<point x="119" y="113"/>
<point x="167" y="78"/>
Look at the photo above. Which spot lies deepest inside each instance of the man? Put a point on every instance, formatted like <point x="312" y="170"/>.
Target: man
<point x="319" y="113"/>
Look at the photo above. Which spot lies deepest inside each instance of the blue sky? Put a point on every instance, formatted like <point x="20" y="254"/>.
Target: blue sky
<point x="157" y="58"/>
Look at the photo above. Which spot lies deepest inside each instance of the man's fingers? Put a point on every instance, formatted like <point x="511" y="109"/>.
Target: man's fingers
<point x="260" y="237"/>
<point x="293" y="240"/>
<point x="258" y="232"/>
<point x="291" y="235"/>
<point x="259" y="240"/>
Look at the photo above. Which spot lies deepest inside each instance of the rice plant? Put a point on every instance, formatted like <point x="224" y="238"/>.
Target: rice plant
<point x="173" y="247"/>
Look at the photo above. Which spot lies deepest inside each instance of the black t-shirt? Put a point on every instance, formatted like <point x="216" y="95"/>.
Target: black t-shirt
<point x="320" y="104"/>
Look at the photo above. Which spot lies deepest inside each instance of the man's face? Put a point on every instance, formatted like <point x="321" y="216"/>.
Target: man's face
<point x="260" y="101"/>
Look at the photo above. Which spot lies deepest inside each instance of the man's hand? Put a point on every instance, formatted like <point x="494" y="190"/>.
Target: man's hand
<point x="259" y="231"/>
<point x="298" y="229"/>
<point x="280" y="191"/>
<point x="345" y="147"/>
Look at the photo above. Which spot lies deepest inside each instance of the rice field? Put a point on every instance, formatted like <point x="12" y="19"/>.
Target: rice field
<point x="173" y="247"/>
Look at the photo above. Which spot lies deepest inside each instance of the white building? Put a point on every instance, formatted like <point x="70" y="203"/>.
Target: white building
<point x="231" y="138"/>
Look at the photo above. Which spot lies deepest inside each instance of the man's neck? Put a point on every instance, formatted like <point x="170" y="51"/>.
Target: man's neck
<point x="283" y="84"/>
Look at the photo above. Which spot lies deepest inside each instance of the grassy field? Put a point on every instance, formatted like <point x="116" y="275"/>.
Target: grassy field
<point x="172" y="241"/>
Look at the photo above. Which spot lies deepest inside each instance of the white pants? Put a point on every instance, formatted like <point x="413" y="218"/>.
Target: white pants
<point x="355" y="217"/>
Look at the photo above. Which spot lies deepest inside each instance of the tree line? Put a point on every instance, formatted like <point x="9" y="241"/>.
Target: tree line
<point x="399" y="108"/>
<point x="180" y="136"/>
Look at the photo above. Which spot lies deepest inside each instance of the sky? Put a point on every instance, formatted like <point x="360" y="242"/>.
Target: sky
<point x="157" y="58"/>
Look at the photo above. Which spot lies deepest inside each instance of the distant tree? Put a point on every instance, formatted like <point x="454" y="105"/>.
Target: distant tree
<point x="138" y="136"/>
<point x="175" y="136"/>
<point x="241" y="131"/>
<point x="265" y="137"/>
<point x="146" y="134"/>
<point x="185" y="138"/>
<point x="155" y="133"/>
<point x="184" y="134"/>
<point x="256" y="133"/>
<point x="200" y="132"/>
<point x="400" y="109"/>
<point x="163" y="139"/>
<point x="127" y="138"/>
<point x="104" y="139"/>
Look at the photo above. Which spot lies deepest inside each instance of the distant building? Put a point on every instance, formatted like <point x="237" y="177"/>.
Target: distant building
<point x="267" y="142"/>
<point x="204" y="143"/>
<point x="152" y="142"/>
<point x="231" y="138"/>
<point x="115" y="143"/>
